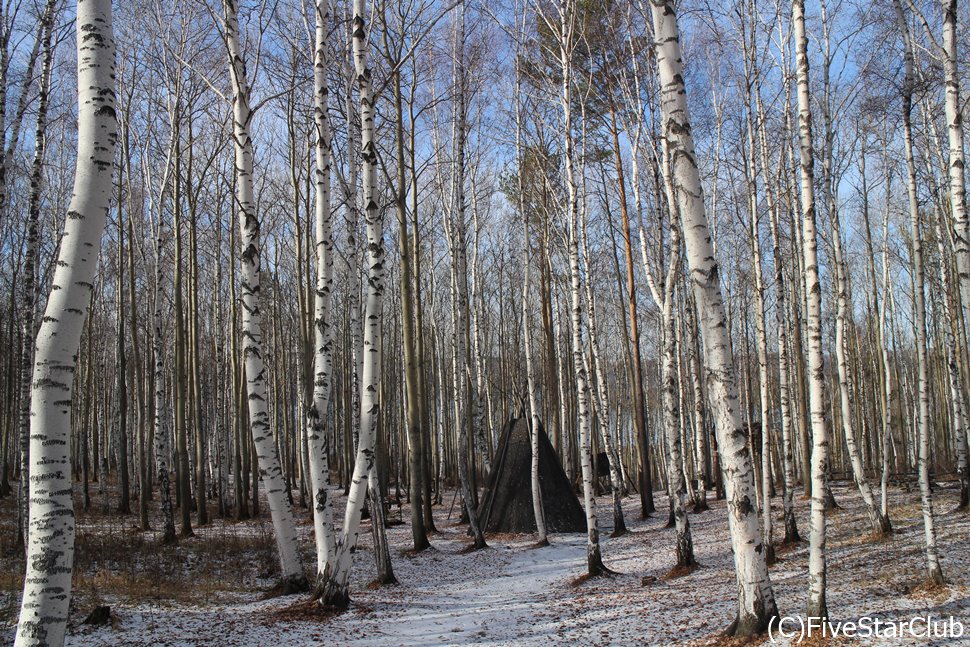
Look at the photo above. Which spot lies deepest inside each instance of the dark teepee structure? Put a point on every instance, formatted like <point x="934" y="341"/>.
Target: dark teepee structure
<point x="507" y="505"/>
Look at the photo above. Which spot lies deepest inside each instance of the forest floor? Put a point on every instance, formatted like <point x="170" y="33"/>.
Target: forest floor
<point x="210" y="589"/>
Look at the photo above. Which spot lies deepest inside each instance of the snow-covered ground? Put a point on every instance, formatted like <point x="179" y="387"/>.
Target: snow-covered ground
<point x="512" y="593"/>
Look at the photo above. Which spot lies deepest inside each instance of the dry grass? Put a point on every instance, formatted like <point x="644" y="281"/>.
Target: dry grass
<point x="115" y="561"/>
<point x="929" y="590"/>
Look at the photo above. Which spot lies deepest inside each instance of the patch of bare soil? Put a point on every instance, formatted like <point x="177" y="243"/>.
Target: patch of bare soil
<point x="306" y="611"/>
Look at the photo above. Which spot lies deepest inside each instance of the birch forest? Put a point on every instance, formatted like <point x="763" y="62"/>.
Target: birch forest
<point x="465" y="322"/>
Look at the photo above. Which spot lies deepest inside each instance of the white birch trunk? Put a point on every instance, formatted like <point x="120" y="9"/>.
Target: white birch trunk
<point x="934" y="571"/>
<point x="319" y="448"/>
<point x="566" y="29"/>
<point x="756" y="602"/>
<point x="957" y="171"/>
<point x="671" y="406"/>
<point x="878" y="521"/>
<point x="813" y="298"/>
<point x="466" y="391"/>
<point x="537" y="509"/>
<point x="50" y="546"/>
<point x="162" y="441"/>
<point x="781" y="309"/>
<point x="668" y="374"/>
<point x="951" y="332"/>
<point x="337" y="579"/>
<point x="887" y="418"/>
<point x="700" y="427"/>
<point x="293" y="578"/>
<point x="29" y="292"/>
<point x="784" y="393"/>
<point x="602" y="394"/>
<point x="761" y="340"/>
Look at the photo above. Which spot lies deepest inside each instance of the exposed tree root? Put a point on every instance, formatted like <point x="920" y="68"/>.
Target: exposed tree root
<point x="471" y="548"/>
<point x="287" y="586"/>
<point x="680" y="570"/>
<point x="378" y="583"/>
<point x="748" y="630"/>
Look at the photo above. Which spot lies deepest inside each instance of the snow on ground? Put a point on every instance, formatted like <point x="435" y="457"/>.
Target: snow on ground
<point x="514" y="594"/>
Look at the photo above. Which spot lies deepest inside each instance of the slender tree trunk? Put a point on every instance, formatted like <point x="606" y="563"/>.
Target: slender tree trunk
<point x="639" y="406"/>
<point x="336" y="585"/>
<point x="954" y="123"/>
<point x="293" y="578"/>
<point x="756" y="602"/>
<point x="412" y="378"/>
<point x="121" y="379"/>
<point x="761" y="340"/>
<point x="934" y="571"/>
<point x="427" y="462"/>
<point x="50" y="549"/>
<point x="195" y="377"/>
<point x="567" y="42"/>
<point x="784" y="393"/>
<point x="144" y="482"/>
<point x="671" y="407"/>
<point x="537" y="505"/>
<point x="958" y="197"/>
<point x="319" y="447"/>
<point x="813" y="296"/>
<point x="603" y="400"/>
<point x="462" y="366"/>
<point x="781" y="309"/>
<point x="700" y="427"/>
<point x="29" y="288"/>
<point x="878" y="521"/>
<point x="951" y="332"/>
<point x="162" y="443"/>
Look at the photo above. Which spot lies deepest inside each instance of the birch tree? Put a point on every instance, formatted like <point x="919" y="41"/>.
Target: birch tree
<point x="756" y="601"/>
<point x="319" y="449"/>
<point x="465" y="388"/>
<point x="781" y="311"/>
<point x="564" y="27"/>
<point x="813" y="298"/>
<point x="293" y="578"/>
<point x="50" y="547"/>
<point x="934" y="570"/>
<point x="29" y="290"/>
<point x="335" y="590"/>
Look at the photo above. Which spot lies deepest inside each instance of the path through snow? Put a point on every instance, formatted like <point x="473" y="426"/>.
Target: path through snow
<point x="514" y="594"/>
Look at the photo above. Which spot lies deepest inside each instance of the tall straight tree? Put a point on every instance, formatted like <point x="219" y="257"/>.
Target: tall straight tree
<point x="955" y="136"/>
<point x="813" y="300"/>
<point x="671" y="406"/>
<point x="293" y="578"/>
<point x="409" y="336"/>
<point x="161" y="432"/>
<point x="781" y="314"/>
<point x="934" y="570"/>
<point x="336" y="586"/>
<point x="565" y="27"/>
<point x="29" y="290"/>
<point x="756" y="600"/>
<point x="958" y="186"/>
<point x="50" y="547"/>
<point x="464" y="386"/>
<point x="537" y="507"/>
<point x="319" y="449"/>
